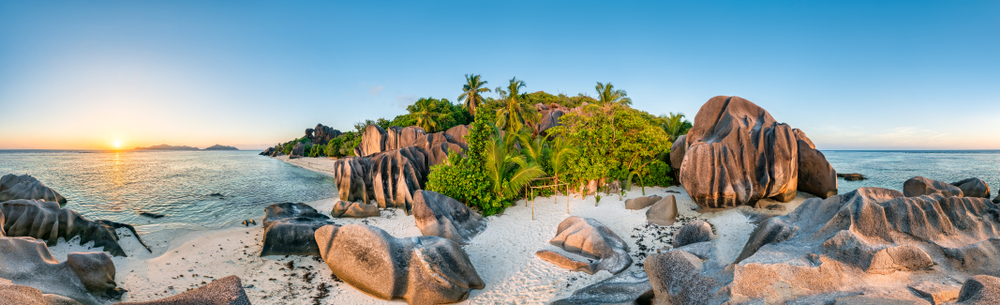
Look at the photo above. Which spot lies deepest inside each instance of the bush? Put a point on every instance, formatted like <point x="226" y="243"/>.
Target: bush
<point x="659" y="174"/>
<point x="464" y="178"/>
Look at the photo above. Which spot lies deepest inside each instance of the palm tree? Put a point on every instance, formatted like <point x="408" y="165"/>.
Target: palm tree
<point x="471" y="96"/>
<point x="514" y="114"/>
<point x="531" y="146"/>
<point x="561" y="150"/>
<point x="675" y="125"/>
<point x="427" y="114"/>
<point x="506" y="169"/>
<point x="606" y="94"/>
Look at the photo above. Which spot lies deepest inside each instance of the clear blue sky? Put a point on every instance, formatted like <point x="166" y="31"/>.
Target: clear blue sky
<point x="852" y="75"/>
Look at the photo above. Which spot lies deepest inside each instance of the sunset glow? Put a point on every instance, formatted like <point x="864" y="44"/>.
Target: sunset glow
<point x="117" y="144"/>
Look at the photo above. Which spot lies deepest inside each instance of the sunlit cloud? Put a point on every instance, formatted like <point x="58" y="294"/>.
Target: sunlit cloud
<point x="375" y="90"/>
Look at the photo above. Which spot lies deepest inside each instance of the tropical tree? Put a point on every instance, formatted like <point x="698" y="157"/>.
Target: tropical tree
<point x="608" y="95"/>
<point x="430" y="114"/>
<point x="561" y="151"/>
<point x="675" y="125"/>
<point x="472" y="89"/>
<point x="507" y="170"/>
<point x="514" y="114"/>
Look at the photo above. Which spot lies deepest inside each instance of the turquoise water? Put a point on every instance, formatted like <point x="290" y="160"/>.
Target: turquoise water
<point x="889" y="169"/>
<point x="118" y="186"/>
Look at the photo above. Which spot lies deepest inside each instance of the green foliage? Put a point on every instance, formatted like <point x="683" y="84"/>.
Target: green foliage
<point x="675" y="125"/>
<point x="342" y="146"/>
<point x="464" y="178"/>
<point x="506" y="168"/>
<point x="435" y="115"/>
<point x="514" y="112"/>
<point x="471" y="92"/>
<point x="659" y="174"/>
<point x="561" y="99"/>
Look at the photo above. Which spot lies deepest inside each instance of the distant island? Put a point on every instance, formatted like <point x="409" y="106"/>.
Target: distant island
<point x="221" y="147"/>
<point x="184" y="148"/>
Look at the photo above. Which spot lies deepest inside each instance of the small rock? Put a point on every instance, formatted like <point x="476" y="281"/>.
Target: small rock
<point x="693" y="232"/>
<point x="641" y="202"/>
<point x="852" y="177"/>
<point x="151" y="215"/>
<point x="663" y="212"/>
<point x="938" y="293"/>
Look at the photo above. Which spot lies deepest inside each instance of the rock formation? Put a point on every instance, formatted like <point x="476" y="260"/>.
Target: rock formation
<point x="624" y="288"/>
<point x="422" y="270"/>
<point x="22" y="295"/>
<point x="289" y="229"/>
<point x="354" y="210"/>
<point x="590" y="238"/>
<point x="919" y="186"/>
<point x="224" y="291"/>
<point x="442" y="216"/>
<point x="550" y="118"/>
<point x="45" y="220"/>
<point x="390" y="178"/>
<point x="298" y="151"/>
<point x="663" y="212"/>
<point x="321" y="134"/>
<point x="87" y="278"/>
<point x="677" y="151"/>
<point x="693" y="232"/>
<point x="973" y="187"/>
<point x="736" y="154"/>
<point x="980" y="289"/>
<point x="852" y="177"/>
<point x="353" y="178"/>
<point x="27" y="187"/>
<point x="436" y="146"/>
<point x="641" y="202"/>
<point x="826" y="250"/>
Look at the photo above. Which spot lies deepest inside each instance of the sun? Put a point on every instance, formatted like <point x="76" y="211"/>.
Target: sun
<point x="117" y="144"/>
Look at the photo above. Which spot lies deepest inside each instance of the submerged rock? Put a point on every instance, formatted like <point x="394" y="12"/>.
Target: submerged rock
<point x="45" y="220"/>
<point x="973" y="187"/>
<point x="87" y="278"/>
<point x="919" y="186"/>
<point x="224" y="291"/>
<point x="738" y="154"/>
<point x="663" y="212"/>
<point x="151" y="215"/>
<point x="421" y="270"/>
<point x="590" y="238"/>
<point x="852" y="177"/>
<point x="641" y="202"/>
<point x="354" y="210"/>
<point x="289" y="229"/>
<point x="27" y="187"/>
<point x="440" y="215"/>
<point x="626" y="288"/>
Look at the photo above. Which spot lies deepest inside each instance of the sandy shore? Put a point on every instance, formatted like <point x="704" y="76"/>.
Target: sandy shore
<point x="503" y="254"/>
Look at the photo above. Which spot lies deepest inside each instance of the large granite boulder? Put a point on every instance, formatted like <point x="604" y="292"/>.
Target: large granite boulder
<point x="354" y="210"/>
<point x="973" y="187"/>
<point x="980" y="290"/>
<point x="816" y="175"/>
<point x="224" y="291"/>
<point x="626" y="288"/>
<point x="592" y="239"/>
<point x="676" y="278"/>
<point x="87" y="278"/>
<point x="919" y="186"/>
<point x="289" y="229"/>
<point x="738" y="154"/>
<point x="421" y="270"/>
<point x="693" y="232"/>
<point x="641" y="202"/>
<point x="677" y="152"/>
<point x="663" y="212"/>
<point x="397" y="174"/>
<point x="321" y="134"/>
<point x="298" y="151"/>
<point x="436" y="146"/>
<point x="27" y="187"/>
<point x="353" y="178"/>
<point x="46" y="221"/>
<point x="826" y="248"/>
<point x="440" y="215"/>
<point x="20" y="294"/>
<point x="550" y="118"/>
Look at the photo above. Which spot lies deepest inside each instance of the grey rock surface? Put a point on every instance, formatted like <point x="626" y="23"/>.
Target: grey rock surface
<point x="20" y="294"/>
<point x="973" y="187"/>
<point x="738" y="154"/>
<point x="592" y="239"/>
<point x="421" y="270"/>
<point x="224" y="291"/>
<point x="27" y="187"/>
<point x="980" y="290"/>
<point x="442" y="216"/>
<point x="693" y="232"/>
<point x="321" y="134"/>
<point x="677" y="152"/>
<point x="354" y="210"/>
<point x="625" y="288"/>
<point x="45" y="220"/>
<point x="289" y="229"/>
<point x="663" y="212"/>
<point x="919" y="186"/>
<point x="641" y="202"/>
<point x="676" y="278"/>
<point x="87" y="278"/>
<point x="298" y="151"/>
<point x="816" y="175"/>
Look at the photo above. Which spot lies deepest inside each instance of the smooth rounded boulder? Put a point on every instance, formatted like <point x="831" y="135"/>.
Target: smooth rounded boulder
<point x="663" y="212"/>
<point x="816" y="175"/>
<point x="738" y="154"/>
<point x="27" y="187"/>
<point x="439" y="215"/>
<point x="85" y="277"/>
<point x="354" y="210"/>
<point x="973" y="187"/>
<point x="641" y="202"/>
<point x="289" y="229"/>
<point x="224" y="291"/>
<point x="693" y="232"/>
<point x="919" y="186"/>
<point x="421" y="270"/>
<point x="592" y="239"/>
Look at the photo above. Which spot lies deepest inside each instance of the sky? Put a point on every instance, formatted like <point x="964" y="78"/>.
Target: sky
<point x="851" y="74"/>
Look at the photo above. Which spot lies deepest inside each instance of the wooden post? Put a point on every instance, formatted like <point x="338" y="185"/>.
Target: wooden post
<point x="532" y="204"/>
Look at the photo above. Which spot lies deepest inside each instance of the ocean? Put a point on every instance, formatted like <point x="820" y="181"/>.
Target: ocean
<point x="117" y="186"/>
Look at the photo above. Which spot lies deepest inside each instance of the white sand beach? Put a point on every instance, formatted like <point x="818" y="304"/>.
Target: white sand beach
<point x="504" y="254"/>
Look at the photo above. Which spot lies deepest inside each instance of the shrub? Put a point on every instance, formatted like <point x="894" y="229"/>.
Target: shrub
<point x="659" y="174"/>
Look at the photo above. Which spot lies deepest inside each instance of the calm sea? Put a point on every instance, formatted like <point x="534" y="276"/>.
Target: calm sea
<point x="889" y="169"/>
<point x="118" y="186"/>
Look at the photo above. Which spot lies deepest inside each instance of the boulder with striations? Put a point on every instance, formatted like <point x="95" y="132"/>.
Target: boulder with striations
<point x="421" y="270"/>
<point x="436" y="146"/>
<point x="738" y="154"/>
<point x="87" y="278"/>
<point x="440" y="215"/>
<point x="321" y="134"/>
<point x="973" y="187"/>
<point x="919" y="186"/>
<point x="289" y="229"/>
<point x="816" y="175"/>
<point x="27" y="187"/>
<point x="224" y="291"/>
<point x="677" y="152"/>
<point x="353" y="178"/>
<point x="298" y="151"/>
<point x="354" y="210"/>
<point x="589" y="238"/>
<point x="46" y="221"/>
<point x="396" y="175"/>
